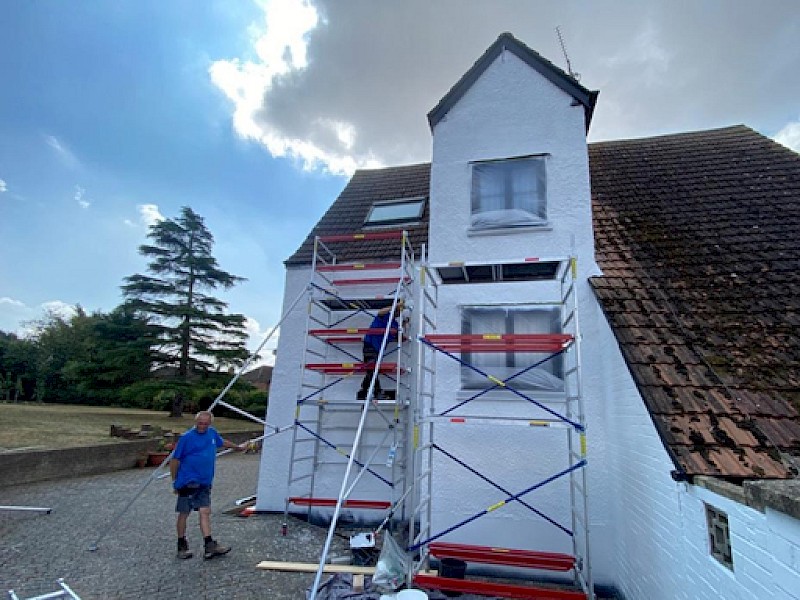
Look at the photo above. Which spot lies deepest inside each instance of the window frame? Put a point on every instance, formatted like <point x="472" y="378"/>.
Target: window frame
<point x="719" y="536"/>
<point x="378" y="204"/>
<point x="511" y="201"/>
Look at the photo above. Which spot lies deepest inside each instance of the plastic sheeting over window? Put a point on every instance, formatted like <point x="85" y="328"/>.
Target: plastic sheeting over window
<point x="509" y="193"/>
<point x="503" y="320"/>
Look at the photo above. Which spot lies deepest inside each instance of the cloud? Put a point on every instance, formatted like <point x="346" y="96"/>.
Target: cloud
<point x="256" y="337"/>
<point x="789" y="136"/>
<point x="3" y="186"/>
<point x="19" y="318"/>
<point x="79" y="197"/>
<point x="149" y="215"/>
<point x="341" y="85"/>
<point x="62" y="151"/>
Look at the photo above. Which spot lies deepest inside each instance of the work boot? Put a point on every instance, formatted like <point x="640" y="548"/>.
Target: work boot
<point x="183" y="549"/>
<point x="213" y="549"/>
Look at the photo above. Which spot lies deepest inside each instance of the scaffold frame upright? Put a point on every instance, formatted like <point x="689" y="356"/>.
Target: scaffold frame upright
<point x="343" y="296"/>
<point x="425" y="543"/>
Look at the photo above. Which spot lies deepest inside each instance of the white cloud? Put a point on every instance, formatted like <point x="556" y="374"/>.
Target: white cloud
<point x="281" y="49"/>
<point x="3" y="186"/>
<point x="149" y="215"/>
<point x="789" y="136"/>
<point x="19" y="318"/>
<point x="79" y="197"/>
<point x="257" y="335"/>
<point x="64" y="153"/>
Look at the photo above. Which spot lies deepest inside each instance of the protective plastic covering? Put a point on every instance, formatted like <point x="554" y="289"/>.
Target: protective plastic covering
<point x="509" y="193"/>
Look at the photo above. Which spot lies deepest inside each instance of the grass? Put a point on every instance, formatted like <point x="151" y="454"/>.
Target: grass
<point x="64" y="425"/>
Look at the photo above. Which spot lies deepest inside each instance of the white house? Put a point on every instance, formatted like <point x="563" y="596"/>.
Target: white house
<point x="680" y="253"/>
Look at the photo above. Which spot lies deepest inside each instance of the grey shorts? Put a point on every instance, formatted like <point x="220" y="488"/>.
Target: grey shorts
<point x="190" y="499"/>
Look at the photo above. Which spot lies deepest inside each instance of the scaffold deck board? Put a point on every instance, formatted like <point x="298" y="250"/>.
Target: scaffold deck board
<point x="549" y="561"/>
<point x="490" y="588"/>
<point x="372" y="504"/>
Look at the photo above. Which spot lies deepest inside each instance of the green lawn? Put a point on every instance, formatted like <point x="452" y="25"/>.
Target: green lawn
<point x="63" y="425"/>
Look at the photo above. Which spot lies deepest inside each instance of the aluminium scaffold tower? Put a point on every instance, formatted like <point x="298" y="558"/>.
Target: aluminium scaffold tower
<point x="334" y="428"/>
<point x="565" y="415"/>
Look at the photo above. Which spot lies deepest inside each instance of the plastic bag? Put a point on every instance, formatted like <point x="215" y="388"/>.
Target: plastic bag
<point x="392" y="567"/>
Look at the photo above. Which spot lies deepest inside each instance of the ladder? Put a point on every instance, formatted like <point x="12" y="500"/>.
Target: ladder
<point x="564" y="415"/>
<point x="343" y="297"/>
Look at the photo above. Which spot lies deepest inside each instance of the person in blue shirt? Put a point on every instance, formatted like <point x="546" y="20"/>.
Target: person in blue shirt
<point x="372" y="347"/>
<point x="192" y="470"/>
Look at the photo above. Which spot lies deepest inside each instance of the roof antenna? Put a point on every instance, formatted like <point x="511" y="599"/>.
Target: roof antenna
<point x="573" y="74"/>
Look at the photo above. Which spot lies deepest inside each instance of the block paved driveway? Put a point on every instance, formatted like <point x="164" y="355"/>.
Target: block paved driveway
<point x="136" y="559"/>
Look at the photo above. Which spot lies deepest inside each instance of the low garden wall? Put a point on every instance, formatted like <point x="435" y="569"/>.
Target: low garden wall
<point x="42" y="465"/>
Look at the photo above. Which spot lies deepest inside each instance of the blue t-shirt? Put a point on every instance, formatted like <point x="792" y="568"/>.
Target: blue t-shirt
<point x="197" y="453"/>
<point x="376" y="339"/>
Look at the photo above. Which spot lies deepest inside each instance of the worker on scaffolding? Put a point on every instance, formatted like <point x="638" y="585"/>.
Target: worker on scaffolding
<point x="372" y="347"/>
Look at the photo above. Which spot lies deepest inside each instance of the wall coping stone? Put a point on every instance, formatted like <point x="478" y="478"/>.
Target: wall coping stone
<point x="782" y="495"/>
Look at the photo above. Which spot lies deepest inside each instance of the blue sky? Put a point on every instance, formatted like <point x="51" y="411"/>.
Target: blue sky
<point x="254" y="112"/>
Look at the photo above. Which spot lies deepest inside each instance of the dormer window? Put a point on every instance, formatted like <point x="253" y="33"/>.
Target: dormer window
<point x="396" y="212"/>
<point x="509" y="193"/>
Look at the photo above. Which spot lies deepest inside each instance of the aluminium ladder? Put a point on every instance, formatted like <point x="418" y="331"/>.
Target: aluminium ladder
<point x="566" y="416"/>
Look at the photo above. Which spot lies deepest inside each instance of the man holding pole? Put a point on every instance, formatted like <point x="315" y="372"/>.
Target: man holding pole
<point x="192" y="470"/>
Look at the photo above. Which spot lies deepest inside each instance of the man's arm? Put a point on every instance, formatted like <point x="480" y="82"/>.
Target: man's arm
<point x="228" y="444"/>
<point x="174" y="465"/>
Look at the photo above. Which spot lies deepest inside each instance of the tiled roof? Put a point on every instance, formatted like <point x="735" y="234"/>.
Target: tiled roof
<point x="351" y="208"/>
<point x="698" y="237"/>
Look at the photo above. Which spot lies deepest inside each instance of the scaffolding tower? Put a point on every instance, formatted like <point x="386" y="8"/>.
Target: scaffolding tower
<point x="565" y="415"/>
<point x="328" y="435"/>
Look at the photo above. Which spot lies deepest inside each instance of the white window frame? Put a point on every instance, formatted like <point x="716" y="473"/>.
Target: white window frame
<point x="509" y="193"/>
<point x="377" y="206"/>
<point x="719" y="536"/>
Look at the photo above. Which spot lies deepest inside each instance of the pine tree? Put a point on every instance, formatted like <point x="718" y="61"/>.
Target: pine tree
<point x="195" y="333"/>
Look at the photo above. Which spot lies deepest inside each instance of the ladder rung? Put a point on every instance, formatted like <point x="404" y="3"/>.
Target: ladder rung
<point x="354" y="367"/>
<point x="373" y="504"/>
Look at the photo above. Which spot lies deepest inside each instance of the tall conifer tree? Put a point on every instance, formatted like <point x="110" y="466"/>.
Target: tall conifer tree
<point x="195" y="333"/>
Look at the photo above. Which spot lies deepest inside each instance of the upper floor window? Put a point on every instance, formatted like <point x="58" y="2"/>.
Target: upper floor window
<point x="509" y="193"/>
<point x="396" y="212"/>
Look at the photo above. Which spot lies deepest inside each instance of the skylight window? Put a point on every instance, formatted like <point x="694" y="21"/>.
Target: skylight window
<point x="395" y="212"/>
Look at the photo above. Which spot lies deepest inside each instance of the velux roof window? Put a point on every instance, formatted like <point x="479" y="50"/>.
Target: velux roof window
<point x="396" y="212"/>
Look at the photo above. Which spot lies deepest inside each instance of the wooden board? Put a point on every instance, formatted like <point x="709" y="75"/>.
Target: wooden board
<point x="275" y="565"/>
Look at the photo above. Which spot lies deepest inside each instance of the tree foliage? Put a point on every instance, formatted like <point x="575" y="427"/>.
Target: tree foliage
<point x="194" y="332"/>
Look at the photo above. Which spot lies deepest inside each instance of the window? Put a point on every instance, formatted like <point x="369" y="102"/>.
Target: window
<point x="719" y="536"/>
<point x="508" y="193"/>
<point x="395" y="212"/>
<point x="547" y="376"/>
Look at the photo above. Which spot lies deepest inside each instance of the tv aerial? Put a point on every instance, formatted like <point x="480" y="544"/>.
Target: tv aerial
<point x="573" y="74"/>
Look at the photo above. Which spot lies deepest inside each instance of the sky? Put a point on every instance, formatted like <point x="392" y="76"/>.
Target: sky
<point x="114" y="115"/>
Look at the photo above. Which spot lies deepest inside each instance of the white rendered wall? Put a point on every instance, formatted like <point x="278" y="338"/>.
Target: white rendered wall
<point x="272" y="479"/>
<point x="655" y="544"/>
<point x="512" y="111"/>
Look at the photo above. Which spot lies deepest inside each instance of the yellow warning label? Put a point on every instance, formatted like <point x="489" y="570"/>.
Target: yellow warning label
<point x="539" y="423"/>
<point x="358" y="266"/>
<point x="583" y="444"/>
<point x="416" y="436"/>
<point x="347" y="365"/>
<point x="352" y="330"/>
<point x="492" y="336"/>
<point x="358" y="236"/>
<point x="574" y="266"/>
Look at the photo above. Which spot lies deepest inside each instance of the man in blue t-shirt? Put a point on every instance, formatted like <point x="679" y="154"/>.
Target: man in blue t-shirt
<point x="192" y="470"/>
<point x="372" y="346"/>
